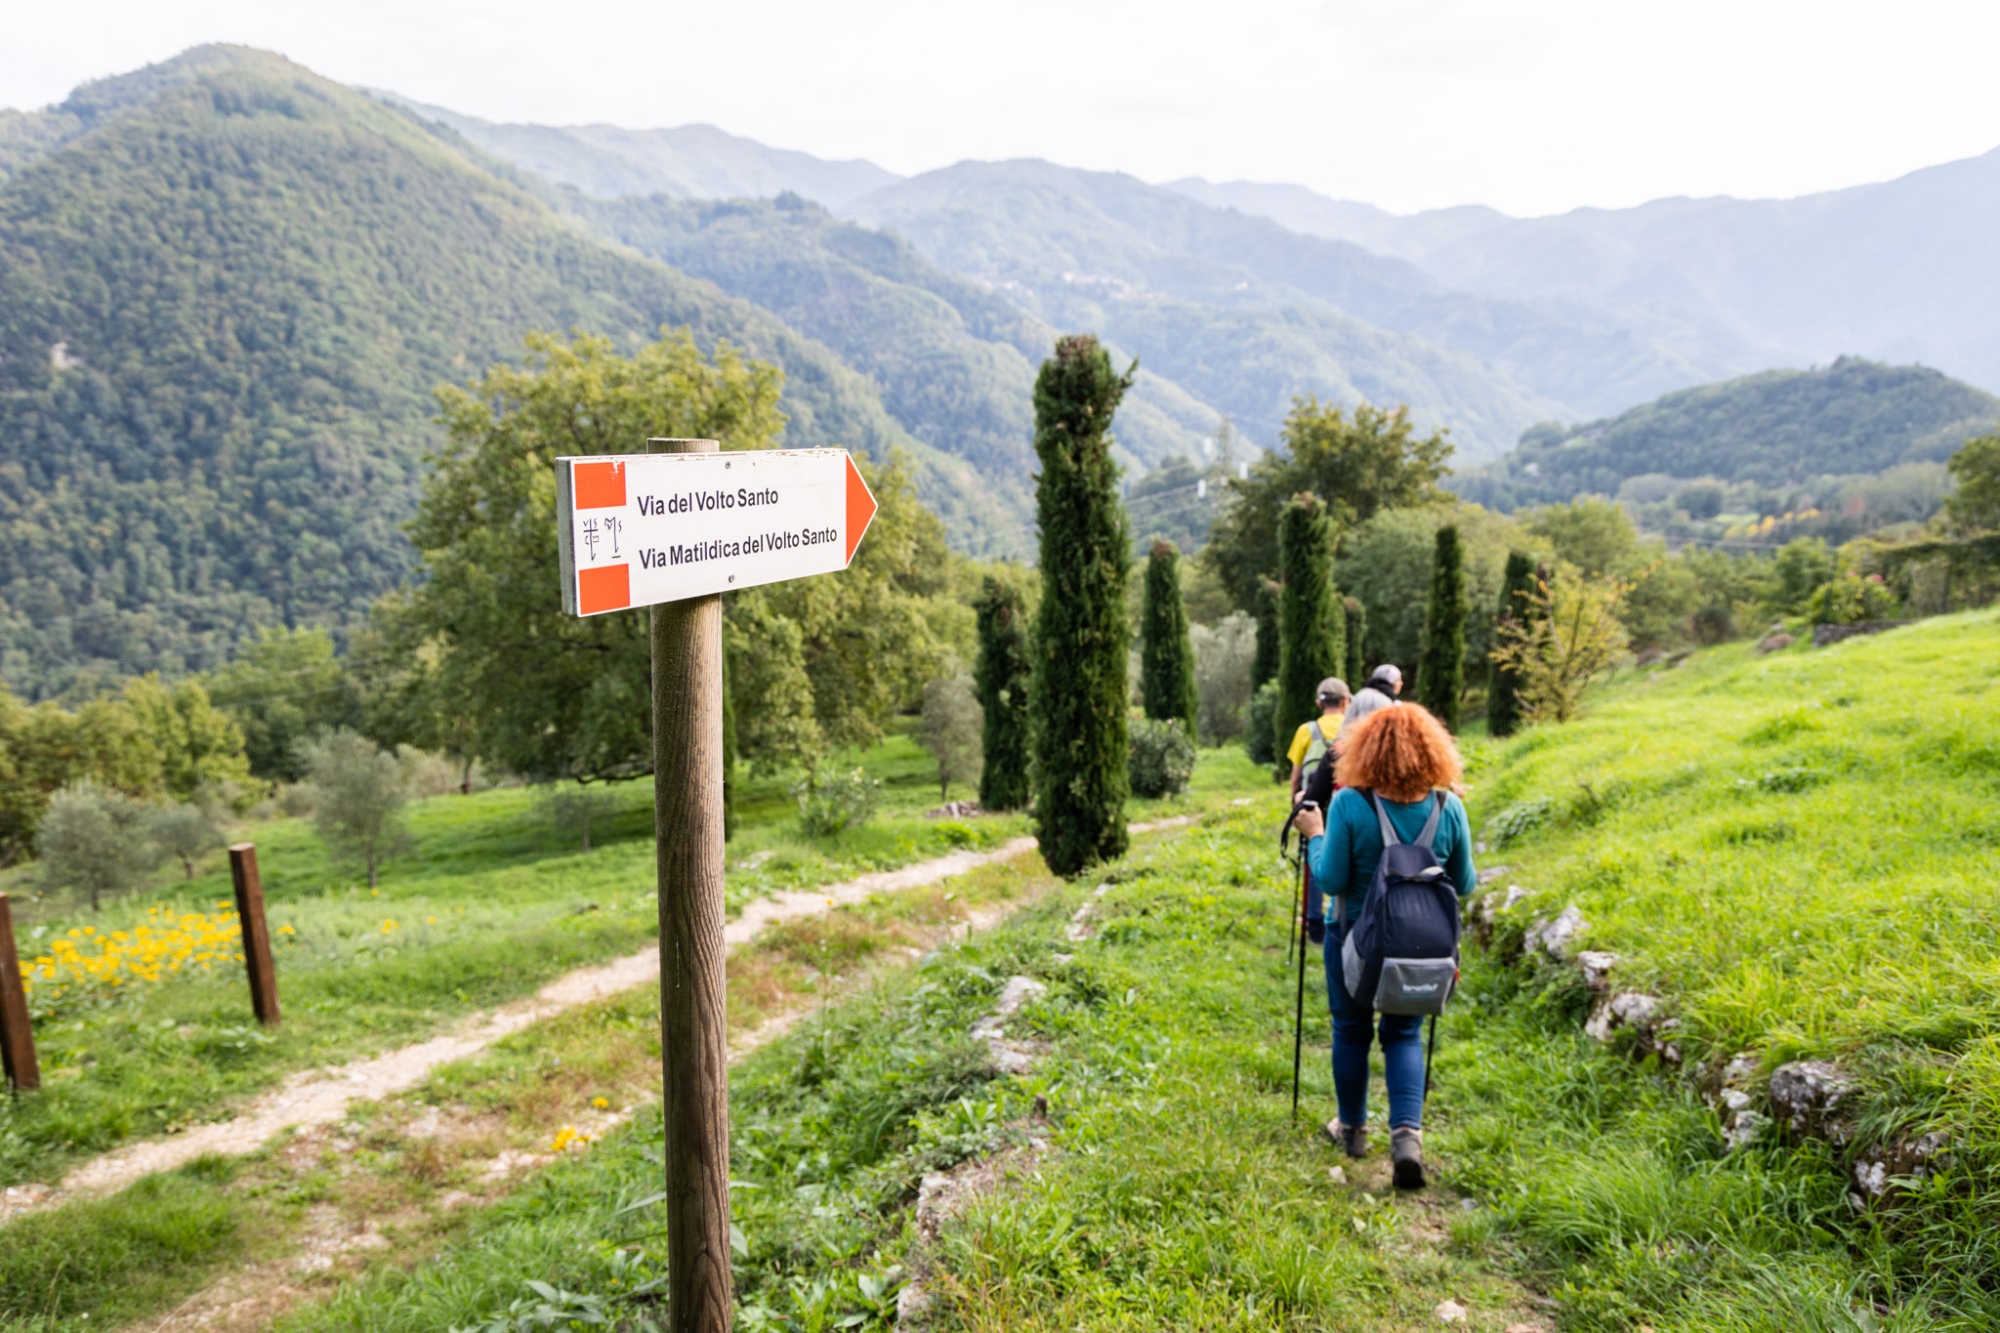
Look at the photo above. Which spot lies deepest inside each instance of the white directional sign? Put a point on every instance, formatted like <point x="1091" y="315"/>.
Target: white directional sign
<point x="637" y="529"/>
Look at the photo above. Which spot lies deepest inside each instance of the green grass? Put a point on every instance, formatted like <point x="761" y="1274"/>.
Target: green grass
<point x="1175" y="1192"/>
<point x="489" y="904"/>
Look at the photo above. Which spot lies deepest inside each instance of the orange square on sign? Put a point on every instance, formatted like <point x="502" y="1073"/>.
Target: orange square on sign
<point x="606" y="588"/>
<point x="597" y="485"/>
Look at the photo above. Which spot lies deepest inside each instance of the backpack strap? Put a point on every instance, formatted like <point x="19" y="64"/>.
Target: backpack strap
<point x="1389" y="838"/>
<point x="1429" y="835"/>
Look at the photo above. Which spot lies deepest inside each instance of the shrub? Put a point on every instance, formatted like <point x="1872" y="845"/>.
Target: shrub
<point x="358" y="798"/>
<point x="1503" y="682"/>
<point x="1162" y="758"/>
<point x="184" y="832"/>
<point x="96" y="841"/>
<point x="1519" y="820"/>
<point x="831" y="802"/>
<point x="1851" y="598"/>
<point x="573" y="810"/>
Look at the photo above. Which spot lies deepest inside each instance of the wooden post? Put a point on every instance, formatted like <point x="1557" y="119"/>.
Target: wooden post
<point x="687" y="822"/>
<point x="256" y="932"/>
<point x="17" y="1038"/>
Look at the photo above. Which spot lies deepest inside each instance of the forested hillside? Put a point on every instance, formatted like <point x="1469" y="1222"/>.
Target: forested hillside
<point x="227" y="290"/>
<point x="1776" y="428"/>
<point x="955" y="363"/>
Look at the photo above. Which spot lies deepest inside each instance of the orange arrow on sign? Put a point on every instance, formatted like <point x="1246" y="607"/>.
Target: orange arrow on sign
<point x="860" y="507"/>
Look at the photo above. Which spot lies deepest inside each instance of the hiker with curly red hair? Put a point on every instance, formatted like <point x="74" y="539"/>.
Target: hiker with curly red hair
<point x="1396" y="769"/>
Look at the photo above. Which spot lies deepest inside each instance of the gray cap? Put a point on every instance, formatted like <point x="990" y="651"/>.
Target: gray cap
<point x="1389" y="670"/>
<point x="1333" y="687"/>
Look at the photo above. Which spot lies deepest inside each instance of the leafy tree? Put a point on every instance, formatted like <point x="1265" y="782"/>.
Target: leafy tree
<point x="1385" y="564"/>
<point x="1359" y="464"/>
<point x="1166" y="657"/>
<point x="96" y="841"/>
<point x="1311" y="616"/>
<point x="1441" y="669"/>
<point x="1975" y="505"/>
<point x="1569" y="634"/>
<point x="283" y="687"/>
<point x="1503" y="690"/>
<point x="358" y="798"/>
<point x="1594" y="535"/>
<point x="1801" y="567"/>
<point x="1003" y="675"/>
<point x="548" y="695"/>
<point x="1079" y="684"/>
<point x="1223" y="655"/>
<point x="184" y="832"/>
<point x="46" y="747"/>
<point x="199" y="746"/>
<point x="576" y="810"/>
<point x="951" y="729"/>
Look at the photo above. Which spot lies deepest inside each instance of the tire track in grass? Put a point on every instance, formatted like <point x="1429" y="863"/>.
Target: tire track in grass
<point x="317" y="1098"/>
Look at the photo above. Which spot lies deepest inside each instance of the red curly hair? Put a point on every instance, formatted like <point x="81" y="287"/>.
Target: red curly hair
<point x="1404" y="753"/>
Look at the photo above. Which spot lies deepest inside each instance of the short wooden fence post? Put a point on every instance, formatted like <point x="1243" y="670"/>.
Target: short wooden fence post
<point x="256" y="933"/>
<point x="17" y="1038"/>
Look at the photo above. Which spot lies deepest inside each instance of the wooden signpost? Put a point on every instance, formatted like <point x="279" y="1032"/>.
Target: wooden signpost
<point x="17" y="1038"/>
<point x="256" y="932"/>
<point x="674" y="529"/>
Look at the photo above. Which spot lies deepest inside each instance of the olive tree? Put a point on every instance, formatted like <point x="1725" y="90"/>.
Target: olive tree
<point x="358" y="798"/>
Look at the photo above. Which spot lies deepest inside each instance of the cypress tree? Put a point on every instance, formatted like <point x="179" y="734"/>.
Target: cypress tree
<point x="1311" y="617"/>
<point x="1503" y="684"/>
<point x="1002" y="681"/>
<point x="1441" y="671"/>
<point x="1265" y="665"/>
<point x="1357" y="638"/>
<point x="1081" y="635"/>
<point x="1166" y="657"/>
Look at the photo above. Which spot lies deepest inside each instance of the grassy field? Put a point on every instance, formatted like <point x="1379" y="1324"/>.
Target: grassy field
<point x="489" y="904"/>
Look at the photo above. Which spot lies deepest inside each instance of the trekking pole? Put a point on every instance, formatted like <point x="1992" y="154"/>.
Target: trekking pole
<point x="1299" y="1013"/>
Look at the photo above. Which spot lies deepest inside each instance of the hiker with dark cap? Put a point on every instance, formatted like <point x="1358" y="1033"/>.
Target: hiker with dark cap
<point x="1385" y="682"/>
<point x="1313" y="739"/>
<point x="1396" y="770"/>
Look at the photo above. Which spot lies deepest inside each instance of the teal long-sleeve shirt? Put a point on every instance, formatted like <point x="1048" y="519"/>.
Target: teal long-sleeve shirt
<point x="1344" y="858"/>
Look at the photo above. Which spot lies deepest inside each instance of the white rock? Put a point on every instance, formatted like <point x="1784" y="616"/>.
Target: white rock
<point x="1491" y="873"/>
<point x="1625" y="1009"/>
<point x="1451" y="1312"/>
<point x="1017" y="992"/>
<point x="1596" y="967"/>
<point x="1556" y="938"/>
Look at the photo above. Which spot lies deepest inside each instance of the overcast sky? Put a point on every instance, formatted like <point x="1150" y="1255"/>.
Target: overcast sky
<point x="1533" y="106"/>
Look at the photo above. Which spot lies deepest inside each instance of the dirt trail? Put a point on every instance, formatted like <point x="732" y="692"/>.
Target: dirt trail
<point x="318" y="1097"/>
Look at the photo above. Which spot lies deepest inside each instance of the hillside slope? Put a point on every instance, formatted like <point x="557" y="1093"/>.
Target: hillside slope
<point x="1060" y="240"/>
<point x="955" y="363"/>
<point x="224" y="303"/>
<point x="1776" y="428"/>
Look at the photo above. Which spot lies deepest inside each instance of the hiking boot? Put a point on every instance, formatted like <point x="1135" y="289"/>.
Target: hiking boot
<point x="1350" y="1139"/>
<point x="1406" y="1150"/>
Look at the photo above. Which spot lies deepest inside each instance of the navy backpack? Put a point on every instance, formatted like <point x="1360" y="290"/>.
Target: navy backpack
<point x="1401" y="954"/>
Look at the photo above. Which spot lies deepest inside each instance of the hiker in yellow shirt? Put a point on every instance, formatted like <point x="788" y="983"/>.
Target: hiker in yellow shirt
<point x="1312" y="738"/>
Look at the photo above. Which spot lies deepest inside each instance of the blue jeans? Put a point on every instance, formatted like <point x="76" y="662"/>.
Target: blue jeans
<point x="1402" y="1050"/>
